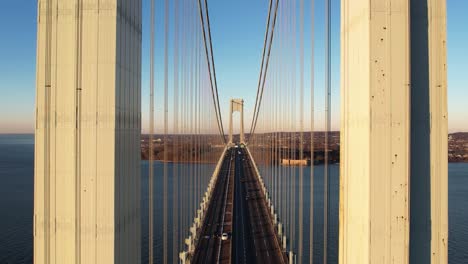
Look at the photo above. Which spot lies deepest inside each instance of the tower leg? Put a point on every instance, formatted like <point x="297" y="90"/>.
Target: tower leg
<point x="393" y="181"/>
<point x="230" y="121"/>
<point x="242" y="138"/>
<point x="87" y="155"/>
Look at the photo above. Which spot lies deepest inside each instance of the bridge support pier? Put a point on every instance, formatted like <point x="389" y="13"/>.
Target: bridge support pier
<point x="393" y="182"/>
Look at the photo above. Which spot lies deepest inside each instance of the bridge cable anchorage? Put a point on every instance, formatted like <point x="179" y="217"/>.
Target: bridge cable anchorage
<point x="211" y="65"/>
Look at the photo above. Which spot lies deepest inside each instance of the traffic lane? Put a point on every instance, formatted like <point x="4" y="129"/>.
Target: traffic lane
<point x="276" y="252"/>
<point x="238" y="235"/>
<point x="261" y="250"/>
<point x="244" y="249"/>
<point x="266" y="238"/>
<point x="226" y="246"/>
<point x="207" y="240"/>
<point x="206" y="235"/>
<point x="215" y="239"/>
<point x="249" y="236"/>
<point x="261" y="234"/>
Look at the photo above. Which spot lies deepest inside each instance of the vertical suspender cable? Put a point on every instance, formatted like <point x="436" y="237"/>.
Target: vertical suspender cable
<point x="79" y="50"/>
<point x="183" y="119"/>
<point x="326" y="187"/>
<point x="135" y="131"/>
<point x="293" y="121"/>
<point x="190" y="113"/>
<point x="312" y="133"/>
<point x="301" y="129"/>
<point x="166" y="99"/>
<point x="151" y="147"/>
<point x="278" y="113"/>
<point x="46" y="127"/>
<point x="283" y="150"/>
<point x="286" y="122"/>
<point x="175" y="145"/>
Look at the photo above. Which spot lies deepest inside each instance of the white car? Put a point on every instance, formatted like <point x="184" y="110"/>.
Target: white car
<point x="224" y="236"/>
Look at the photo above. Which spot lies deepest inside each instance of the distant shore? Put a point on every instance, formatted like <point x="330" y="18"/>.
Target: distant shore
<point x="209" y="148"/>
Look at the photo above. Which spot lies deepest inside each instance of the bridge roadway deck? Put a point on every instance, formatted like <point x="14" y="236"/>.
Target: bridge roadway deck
<point x="210" y="247"/>
<point x="252" y="237"/>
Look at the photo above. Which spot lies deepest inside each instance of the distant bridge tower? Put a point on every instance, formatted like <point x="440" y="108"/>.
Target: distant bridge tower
<point x="237" y="105"/>
<point x="88" y="122"/>
<point x="393" y="182"/>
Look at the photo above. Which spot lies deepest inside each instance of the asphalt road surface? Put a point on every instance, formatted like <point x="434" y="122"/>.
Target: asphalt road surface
<point x="254" y="237"/>
<point x="238" y="208"/>
<point x="210" y="248"/>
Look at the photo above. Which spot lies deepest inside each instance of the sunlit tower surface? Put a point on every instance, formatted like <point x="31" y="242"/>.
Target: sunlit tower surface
<point x="88" y="122"/>
<point x="393" y="183"/>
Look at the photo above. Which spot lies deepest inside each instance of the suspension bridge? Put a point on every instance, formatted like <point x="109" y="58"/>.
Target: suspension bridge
<point x="286" y="190"/>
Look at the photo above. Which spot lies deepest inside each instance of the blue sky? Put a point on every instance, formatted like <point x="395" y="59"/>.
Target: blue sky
<point x="238" y="31"/>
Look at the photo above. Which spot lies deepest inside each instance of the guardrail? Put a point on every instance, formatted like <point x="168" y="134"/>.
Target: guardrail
<point x="274" y="216"/>
<point x="191" y="241"/>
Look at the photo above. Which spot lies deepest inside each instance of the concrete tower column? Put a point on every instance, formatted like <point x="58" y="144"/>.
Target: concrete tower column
<point x="231" y="102"/>
<point x="393" y="181"/>
<point x="429" y="133"/>
<point x="88" y="123"/>
<point x="242" y="138"/>
<point x="236" y="105"/>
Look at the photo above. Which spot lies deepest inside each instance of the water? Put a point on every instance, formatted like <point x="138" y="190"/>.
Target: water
<point x="16" y="205"/>
<point x="458" y="213"/>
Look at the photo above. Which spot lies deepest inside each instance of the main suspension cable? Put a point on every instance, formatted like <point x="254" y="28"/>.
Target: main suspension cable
<point x="211" y="68"/>
<point x="255" y="118"/>
<point x="263" y="59"/>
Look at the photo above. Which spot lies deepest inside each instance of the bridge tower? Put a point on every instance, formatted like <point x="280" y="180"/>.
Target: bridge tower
<point x="236" y="105"/>
<point x="393" y="182"/>
<point x="88" y="122"/>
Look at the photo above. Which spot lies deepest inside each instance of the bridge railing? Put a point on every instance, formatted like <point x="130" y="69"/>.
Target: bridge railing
<point x="282" y="138"/>
<point x="194" y="236"/>
<point x="185" y="135"/>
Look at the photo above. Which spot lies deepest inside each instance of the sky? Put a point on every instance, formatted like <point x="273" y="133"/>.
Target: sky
<point x="237" y="32"/>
